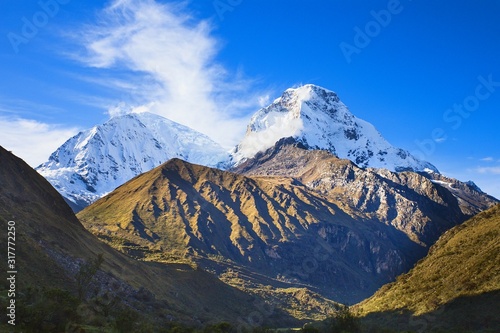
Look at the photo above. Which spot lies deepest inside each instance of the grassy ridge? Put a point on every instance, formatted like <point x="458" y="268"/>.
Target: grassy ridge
<point x="459" y="280"/>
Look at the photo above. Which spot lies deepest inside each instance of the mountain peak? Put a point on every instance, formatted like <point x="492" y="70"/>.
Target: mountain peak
<point x="317" y="117"/>
<point x="96" y="161"/>
<point x="309" y="94"/>
<point x="309" y="91"/>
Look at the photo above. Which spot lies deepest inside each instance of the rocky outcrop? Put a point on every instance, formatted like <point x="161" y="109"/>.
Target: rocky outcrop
<point x="422" y="205"/>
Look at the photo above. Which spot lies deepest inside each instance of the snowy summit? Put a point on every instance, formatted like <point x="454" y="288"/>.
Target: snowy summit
<point x="316" y="117"/>
<point x="96" y="161"/>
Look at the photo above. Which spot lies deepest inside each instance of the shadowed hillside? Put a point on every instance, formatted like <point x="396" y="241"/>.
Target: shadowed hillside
<point x="52" y="246"/>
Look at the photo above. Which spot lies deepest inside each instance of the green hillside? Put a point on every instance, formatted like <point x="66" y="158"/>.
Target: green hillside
<point x="455" y="288"/>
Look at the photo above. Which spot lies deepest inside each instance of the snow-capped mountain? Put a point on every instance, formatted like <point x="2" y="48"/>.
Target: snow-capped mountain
<point x="96" y="161"/>
<point x="317" y="118"/>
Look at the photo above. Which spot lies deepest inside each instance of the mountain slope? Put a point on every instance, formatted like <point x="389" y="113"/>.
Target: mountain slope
<point x="422" y="205"/>
<point x="317" y="118"/>
<point x="356" y="228"/>
<point x="52" y="245"/>
<point x="271" y="226"/>
<point x="96" y="161"/>
<point x="456" y="284"/>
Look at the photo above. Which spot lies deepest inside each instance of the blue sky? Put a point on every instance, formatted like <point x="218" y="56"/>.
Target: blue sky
<point x="425" y="73"/>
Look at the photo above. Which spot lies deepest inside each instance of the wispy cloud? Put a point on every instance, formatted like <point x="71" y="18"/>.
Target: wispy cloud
<point x="173" y="58"/>
<point x="25" y="108"/>
<point x="24" y="137"/>
<point x="487" y="159"/>
<point x="488" y="170"/>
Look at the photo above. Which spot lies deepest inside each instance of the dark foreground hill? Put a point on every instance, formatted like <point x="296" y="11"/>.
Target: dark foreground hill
<point x="52" y="248"/>
<point x="456" y="288"/>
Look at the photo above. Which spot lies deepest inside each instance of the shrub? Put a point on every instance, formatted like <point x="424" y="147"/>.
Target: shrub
<point x="343" y="321"/>
<point x="47" y="310"/>
<point x="219" y="328"/>
<point x="86" y="274"/>
<point x="125" y="321"/>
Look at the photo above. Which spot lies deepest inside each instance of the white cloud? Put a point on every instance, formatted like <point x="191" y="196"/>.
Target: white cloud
<point x="488" y="170"/>
<point x="173" y="58"/>
<point x="264" y="100"/>
<point x="31" y="140"/>
<point x="255" y="142"/>
<point x="488" y="159"/>
<point x="124" y="108"/>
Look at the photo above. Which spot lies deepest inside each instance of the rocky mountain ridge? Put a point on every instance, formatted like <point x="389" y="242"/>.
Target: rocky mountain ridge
<point x="272" y="226"/>
<point x="390" y="197"/>
<point x="98" y="160"/>
<point x="318" y="119"/>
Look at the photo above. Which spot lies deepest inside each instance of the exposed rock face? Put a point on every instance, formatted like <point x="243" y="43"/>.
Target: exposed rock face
<point x="422" y="205"/>
<point x="470" y="197"/>
<point x="276" y="227"/>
